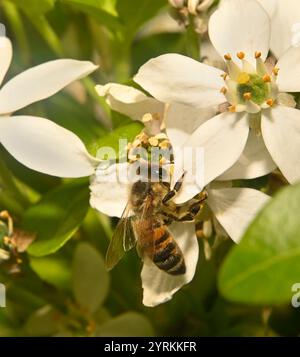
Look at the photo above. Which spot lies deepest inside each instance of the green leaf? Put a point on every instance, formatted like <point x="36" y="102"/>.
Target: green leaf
<point x="101" y="10"/>
<point x="134" y="13"/>
<point x="264" y="267"/>
<point x="112" y="140"/>
<point x="56" y="217"/>
<point x="45" y="321"/>
<point x="53" y="269"/>
<point x="89" y="276"/>
<point x="130" y="324"/>
<point x="35" y="7"/>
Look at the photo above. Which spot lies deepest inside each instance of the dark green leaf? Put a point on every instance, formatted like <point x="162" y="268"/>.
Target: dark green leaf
<point x="90" y="278"/>
<point x="56" y="217"/>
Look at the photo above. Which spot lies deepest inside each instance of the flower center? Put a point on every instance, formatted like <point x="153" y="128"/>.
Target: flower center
<point x="249" y="88"/>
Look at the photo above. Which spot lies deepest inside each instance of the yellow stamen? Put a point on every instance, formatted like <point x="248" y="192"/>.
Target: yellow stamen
<point x="266" y="78"/>
<point x="241" y="55"/>
<point x="232" y="108"/>
<point x="275" y="71"/>
<point x="224" y="76"/>
<point x="257" y="54"/>
<point x="243" y="78"/>
<point x="147" y="117"/>
<point x="247" y="96"/>
<point x="227" y="57"/>
<point x="223" y="90"/>
<point x="270" y="102"/>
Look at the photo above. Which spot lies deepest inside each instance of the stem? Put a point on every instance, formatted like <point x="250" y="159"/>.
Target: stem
<point x="193" y="40"/>
<point x="10" y="195"/>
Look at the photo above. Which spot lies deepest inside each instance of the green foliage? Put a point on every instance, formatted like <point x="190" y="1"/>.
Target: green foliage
<point x="264" y="266"/>
<point x="129" y="324"/>
<point x="59" y="286"/>
<point x="90" y="278"/>
<point x="56" y="217"/>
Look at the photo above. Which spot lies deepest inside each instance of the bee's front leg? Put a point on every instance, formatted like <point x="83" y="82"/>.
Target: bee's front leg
<point x="174" y="191"/>
<point x="188" y="211"/>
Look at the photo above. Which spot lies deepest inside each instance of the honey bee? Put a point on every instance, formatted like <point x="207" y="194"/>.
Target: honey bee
<point x="144" y="223"/>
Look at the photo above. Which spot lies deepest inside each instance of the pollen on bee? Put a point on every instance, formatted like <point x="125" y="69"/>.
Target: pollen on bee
<point x="270" y="102"/>
<point x="153" y="141"/>
<point x="241" y="55"/>
<point x="247" y="96"/>
<point x="227" y="57"/>
<point x="257" y="54"/>
<point x="266" y="78"/>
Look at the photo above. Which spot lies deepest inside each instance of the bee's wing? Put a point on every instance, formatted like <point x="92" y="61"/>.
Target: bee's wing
<point x="146" y="243"/>
<point x="123" y="239"/>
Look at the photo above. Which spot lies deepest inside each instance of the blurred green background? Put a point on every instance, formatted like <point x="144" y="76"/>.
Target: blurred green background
<point x="53" y="288"/>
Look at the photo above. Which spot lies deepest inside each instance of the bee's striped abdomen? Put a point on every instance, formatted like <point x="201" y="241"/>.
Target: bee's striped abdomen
<point x="167" y="254"/>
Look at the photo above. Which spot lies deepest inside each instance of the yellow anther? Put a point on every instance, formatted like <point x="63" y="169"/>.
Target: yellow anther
<point x="224" y="76"/>
<point x="223" y="90"/>
<point x="227" y="57"/>
<point x="270" y="102"/>
<point x="243" y="78"/>
<point x="247" y="96"/>
<point x="147" y="117"/>
<point x="275" y="71"/>
<point x="266" y="78"/>
<point x="257" y="54"/>
<point x="232" y="108"/>
<point x="241" y="55"/>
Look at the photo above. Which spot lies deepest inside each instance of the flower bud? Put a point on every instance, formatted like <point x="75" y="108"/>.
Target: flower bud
<point x="178" y="4"/>
<point x="197" y="6"/>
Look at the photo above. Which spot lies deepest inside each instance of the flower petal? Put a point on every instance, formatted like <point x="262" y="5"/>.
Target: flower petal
<point x="176" y="78"/>
<point x="158" y="286"/>
<point x="255" y="161"/>
<point x="46" y="147"/>
<point x="284" y="16"/>
<point x="240" y="25"/>
<point x="235" y="208"/>
<point x="281" y="132"/>
<point x="222" y="139"/>
<point x="41" y="82"/>
<point x="108" y="194"/>
<point x="129" y="101"/>
<point x="5" y="56"/>
<point x="288" y="79"/>
<point x="182" y="120"/>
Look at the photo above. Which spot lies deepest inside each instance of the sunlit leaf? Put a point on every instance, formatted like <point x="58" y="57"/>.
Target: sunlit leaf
<point x="102" y="11"/>
<point x="53" y="269"/>
<point x="130" y="324"/>
<point x="264" y="266"/>
<point x="56" y="217"/>
<point x="124" y="132"/>
<point x="36" y="7"/>
<point x="90" y="278"/>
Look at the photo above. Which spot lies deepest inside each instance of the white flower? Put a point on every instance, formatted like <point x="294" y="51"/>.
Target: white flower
<point x="44" y="146"/>
<point x="228" y="206"/>
<point x="255" y="94"/>
<point x="285" y="17"/>
<point x="28" y="87"/>
<point x="137" y="105"/>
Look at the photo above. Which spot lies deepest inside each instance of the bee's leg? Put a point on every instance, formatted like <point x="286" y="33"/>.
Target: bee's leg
<point x="175" y="189"/>
<point x="187" y="212"/>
